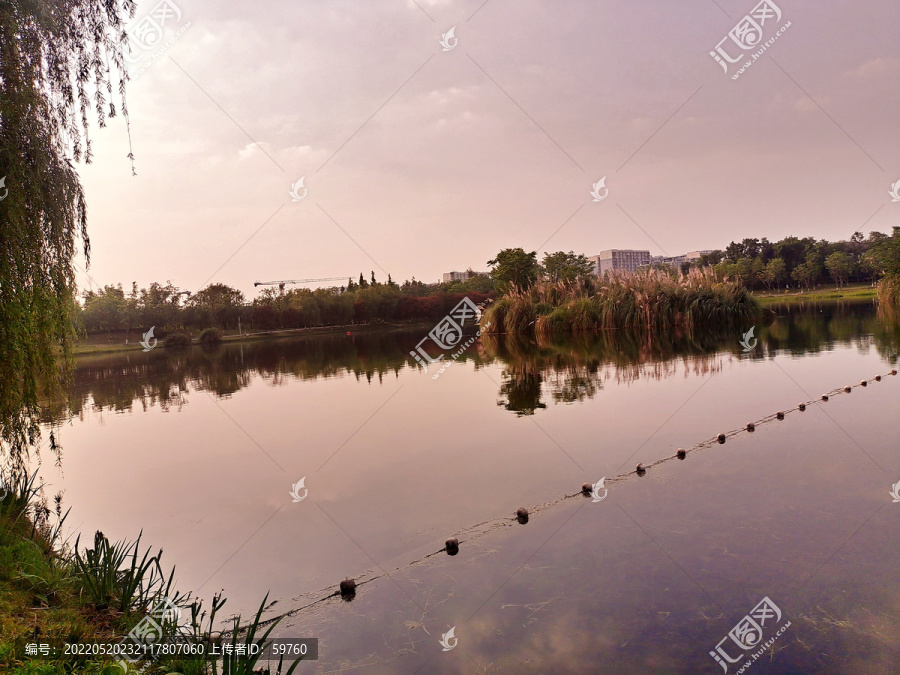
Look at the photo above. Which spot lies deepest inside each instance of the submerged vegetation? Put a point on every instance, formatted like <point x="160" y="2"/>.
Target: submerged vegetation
<point x="643" y="302"/>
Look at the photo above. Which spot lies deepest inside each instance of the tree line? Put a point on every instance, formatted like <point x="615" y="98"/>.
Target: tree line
<point x="111" y="309"/>
<point x="755" y="263"/>
<point x="807" y="262"/>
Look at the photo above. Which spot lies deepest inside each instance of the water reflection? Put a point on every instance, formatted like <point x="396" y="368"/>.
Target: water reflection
<point x="566" y="371"/>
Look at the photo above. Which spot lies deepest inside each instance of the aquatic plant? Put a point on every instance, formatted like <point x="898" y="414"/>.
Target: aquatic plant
<point x="646" y="301"/>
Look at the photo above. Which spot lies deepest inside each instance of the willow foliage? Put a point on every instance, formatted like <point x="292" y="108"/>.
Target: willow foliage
<point x="59" y="59"/>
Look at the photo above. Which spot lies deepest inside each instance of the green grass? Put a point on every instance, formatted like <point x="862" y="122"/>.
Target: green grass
<point x="851" y="293"/>
<point x="48" y="591"/>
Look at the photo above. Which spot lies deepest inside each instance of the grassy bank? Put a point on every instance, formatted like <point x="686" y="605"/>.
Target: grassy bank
<point x="95" y="592"/>
<point x="647" y="301"/>
<point x="102" y="344"/>
<point x="852" y="293"/>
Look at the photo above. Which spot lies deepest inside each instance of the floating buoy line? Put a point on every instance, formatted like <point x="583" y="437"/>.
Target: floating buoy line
<point x="348" y="587"/>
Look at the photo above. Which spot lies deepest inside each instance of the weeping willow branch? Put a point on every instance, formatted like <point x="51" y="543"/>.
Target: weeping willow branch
<point x="58" y="59"/>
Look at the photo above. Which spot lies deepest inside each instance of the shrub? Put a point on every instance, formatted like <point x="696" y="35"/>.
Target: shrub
<point x="178" y="340"/>
<point x="211" y="336"/>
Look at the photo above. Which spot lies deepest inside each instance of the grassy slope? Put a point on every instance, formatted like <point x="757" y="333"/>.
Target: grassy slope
<point x="854" y="292"/>
<point x="43" y="604"/>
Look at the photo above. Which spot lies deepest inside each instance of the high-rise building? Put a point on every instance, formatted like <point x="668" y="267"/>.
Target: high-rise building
<point x="455" y="276"/>
<point x="620" y="259"/>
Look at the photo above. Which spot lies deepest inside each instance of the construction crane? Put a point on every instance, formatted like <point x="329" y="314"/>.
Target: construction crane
<point x="282" y="283"/>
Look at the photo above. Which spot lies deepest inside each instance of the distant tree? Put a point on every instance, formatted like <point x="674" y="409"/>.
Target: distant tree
<point x="566" y="267"/>
<point x="775" y="272"/>
<point x="104" y="310"/>
<point x="804" y="274"/>
<point x="218" y="305"/>
<point x="870" y="265"/>
<point x="264" y="317"/>
<point x="362" y="282"/>
<point x="514" y="268"/>
<point x="373" y="278"/>
<point x="840" y="266"/>
<point x="711" y="259"/>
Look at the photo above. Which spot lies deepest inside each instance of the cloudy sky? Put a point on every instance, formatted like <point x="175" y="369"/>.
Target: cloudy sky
<point x="418" y="160"/>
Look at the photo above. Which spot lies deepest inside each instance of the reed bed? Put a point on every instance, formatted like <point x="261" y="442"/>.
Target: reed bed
<point x="643" y="302"/>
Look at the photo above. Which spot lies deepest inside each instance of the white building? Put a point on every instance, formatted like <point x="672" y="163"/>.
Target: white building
<point x="620" y="259"/>
<point x="454" y="276"/>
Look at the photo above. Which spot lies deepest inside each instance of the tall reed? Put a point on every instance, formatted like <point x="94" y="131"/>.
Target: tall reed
<point x="644" y="302"/>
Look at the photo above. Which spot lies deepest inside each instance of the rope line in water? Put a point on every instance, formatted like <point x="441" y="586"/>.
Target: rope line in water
<point x="477" y="531"/>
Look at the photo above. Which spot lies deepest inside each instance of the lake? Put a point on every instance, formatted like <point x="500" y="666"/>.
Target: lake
<point x="664" y="571"/>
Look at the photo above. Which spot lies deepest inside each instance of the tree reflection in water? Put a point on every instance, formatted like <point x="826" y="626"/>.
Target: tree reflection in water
<point x="565" y="370"/>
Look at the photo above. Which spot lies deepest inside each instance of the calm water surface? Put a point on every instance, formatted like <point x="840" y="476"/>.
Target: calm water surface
<point x="200" y="450"/>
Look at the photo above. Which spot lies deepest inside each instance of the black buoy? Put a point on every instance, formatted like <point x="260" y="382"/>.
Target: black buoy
<point x="452" y="546"/>
<point x="640" y="469"/>
<point x="801" y="407"/>
<point x="522" y="515"/>
<point x="587" y="488"/>
<point x="681" y="454"/>
<point x="348" y="589"/>
<point x="878" y="378"/>
<point x="751" y="426"/>
<point x="779" y="415"/>
<point x="893" y="372"/>
<point x="864" y="383"/>
<point x="824" y="397"/>
<point x="848" y="388"/>
<point x="720" y="438"/>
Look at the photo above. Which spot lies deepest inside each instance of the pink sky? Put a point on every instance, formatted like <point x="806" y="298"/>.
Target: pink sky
<point x="419" y="161"/>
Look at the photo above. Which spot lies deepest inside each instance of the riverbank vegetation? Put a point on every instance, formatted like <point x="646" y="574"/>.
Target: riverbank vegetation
<point x="803" y="262"/>
<point x="642" y="302"/>
<point x="52" y="591"/>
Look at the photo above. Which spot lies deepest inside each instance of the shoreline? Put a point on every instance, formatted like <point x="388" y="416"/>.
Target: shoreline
<point x="85" y="348"/>
<point x="856" y="292"/>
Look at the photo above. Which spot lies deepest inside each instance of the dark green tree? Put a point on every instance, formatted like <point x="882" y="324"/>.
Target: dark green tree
<point x="567" y="267"/>
<point x="514" y="268"/>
